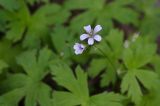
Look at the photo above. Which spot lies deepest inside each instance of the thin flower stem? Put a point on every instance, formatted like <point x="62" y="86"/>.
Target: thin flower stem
<point x="106" y="57"/>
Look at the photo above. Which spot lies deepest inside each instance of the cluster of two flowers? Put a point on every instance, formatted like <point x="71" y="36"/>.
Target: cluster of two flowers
<point x="91" y="35"/>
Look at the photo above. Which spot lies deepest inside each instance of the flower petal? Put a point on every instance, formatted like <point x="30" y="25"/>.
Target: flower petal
<point x="77" y="52"/>
<point x="90" y="41"/>
<point x="84" y="36"/>
<point x="88" y="28"/>
<point x="97" y="29"/>
<point x="98" y="38"/>
<point x="82" y="46"/>
<point x="76" y="45"/>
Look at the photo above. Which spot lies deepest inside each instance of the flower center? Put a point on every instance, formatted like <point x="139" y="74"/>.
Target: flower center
<point x="81" y="47"/>
<point x="91" y="33"/>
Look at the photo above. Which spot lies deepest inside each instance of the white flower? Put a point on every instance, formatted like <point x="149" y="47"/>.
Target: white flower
<point x="135" y="37"/>
<point x="126" y="44"/>
<point x="79" y="48"/>
<point x="91" y="34"/>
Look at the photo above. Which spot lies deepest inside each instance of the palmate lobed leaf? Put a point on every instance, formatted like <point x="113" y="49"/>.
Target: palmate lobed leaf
<point x="35" y="28"/>
<point x="37" y="68"/>
<point x="103" y="14"/>
<point x="78" y="89"/>
<point x="139" y="53"/>
<point x="17" y="22"/>
<point x="135" y="57"/>
<point x="78" y="86"/>
<point x="33" y="89"/>
<point x="36" y="91"/>
<point x="40" y="23"/>
<point x="131" y="83"/>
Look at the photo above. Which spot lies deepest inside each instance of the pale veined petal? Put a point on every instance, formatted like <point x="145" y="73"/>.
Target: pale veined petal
<point x="76" y="45"/>
<point x="88" y="28"/>
<point x="82" y="46"/>
<point x="90" y="41"/>
<point x="84" y="36"/>
<point x="97" y="29"/>
<point x="76" y="52"/>
<point x="97" y="38"/>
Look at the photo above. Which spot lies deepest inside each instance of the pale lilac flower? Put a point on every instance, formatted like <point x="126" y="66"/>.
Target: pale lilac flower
<point x="79" y="48"/>
<point x="91" y="34"/>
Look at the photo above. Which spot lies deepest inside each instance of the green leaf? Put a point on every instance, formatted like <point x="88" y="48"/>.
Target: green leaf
<point x="96" y="66"/>
<point x="152" y="99"/>
<point x="34" y="90"/>
<point x="132" y="16"/>
<point x="38" y="93"/>
<point x="150" y="23"/>
<point x="115" y="41"/>
<point x="156" y="64"/>
<point x="78" y="86"/>
<point x="62" y="41"/>
<point x="131" y="80"/>
<point x="18" y="22"/>
<point x="37" y="68"/>
<point x="40" y="22"/>
<point x="10" y="5"/>
<point x="108" y="77"/>
<point x="12" y="82"/>
<point x="130" y="85"/>
<point x="102" y="13"/>
<point x="12" y="98"/>
<point x="149" y="26"/>
<point x="6" y="55"/>
<point x="16" y="31"/>
<point x="3" y="65"/>
<point x="148" y="78"/>
<point x="61" y="98"/>
<point x="83" y="4"/>
<point x="106" y="99"/>
<point x="139" y="53"/>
